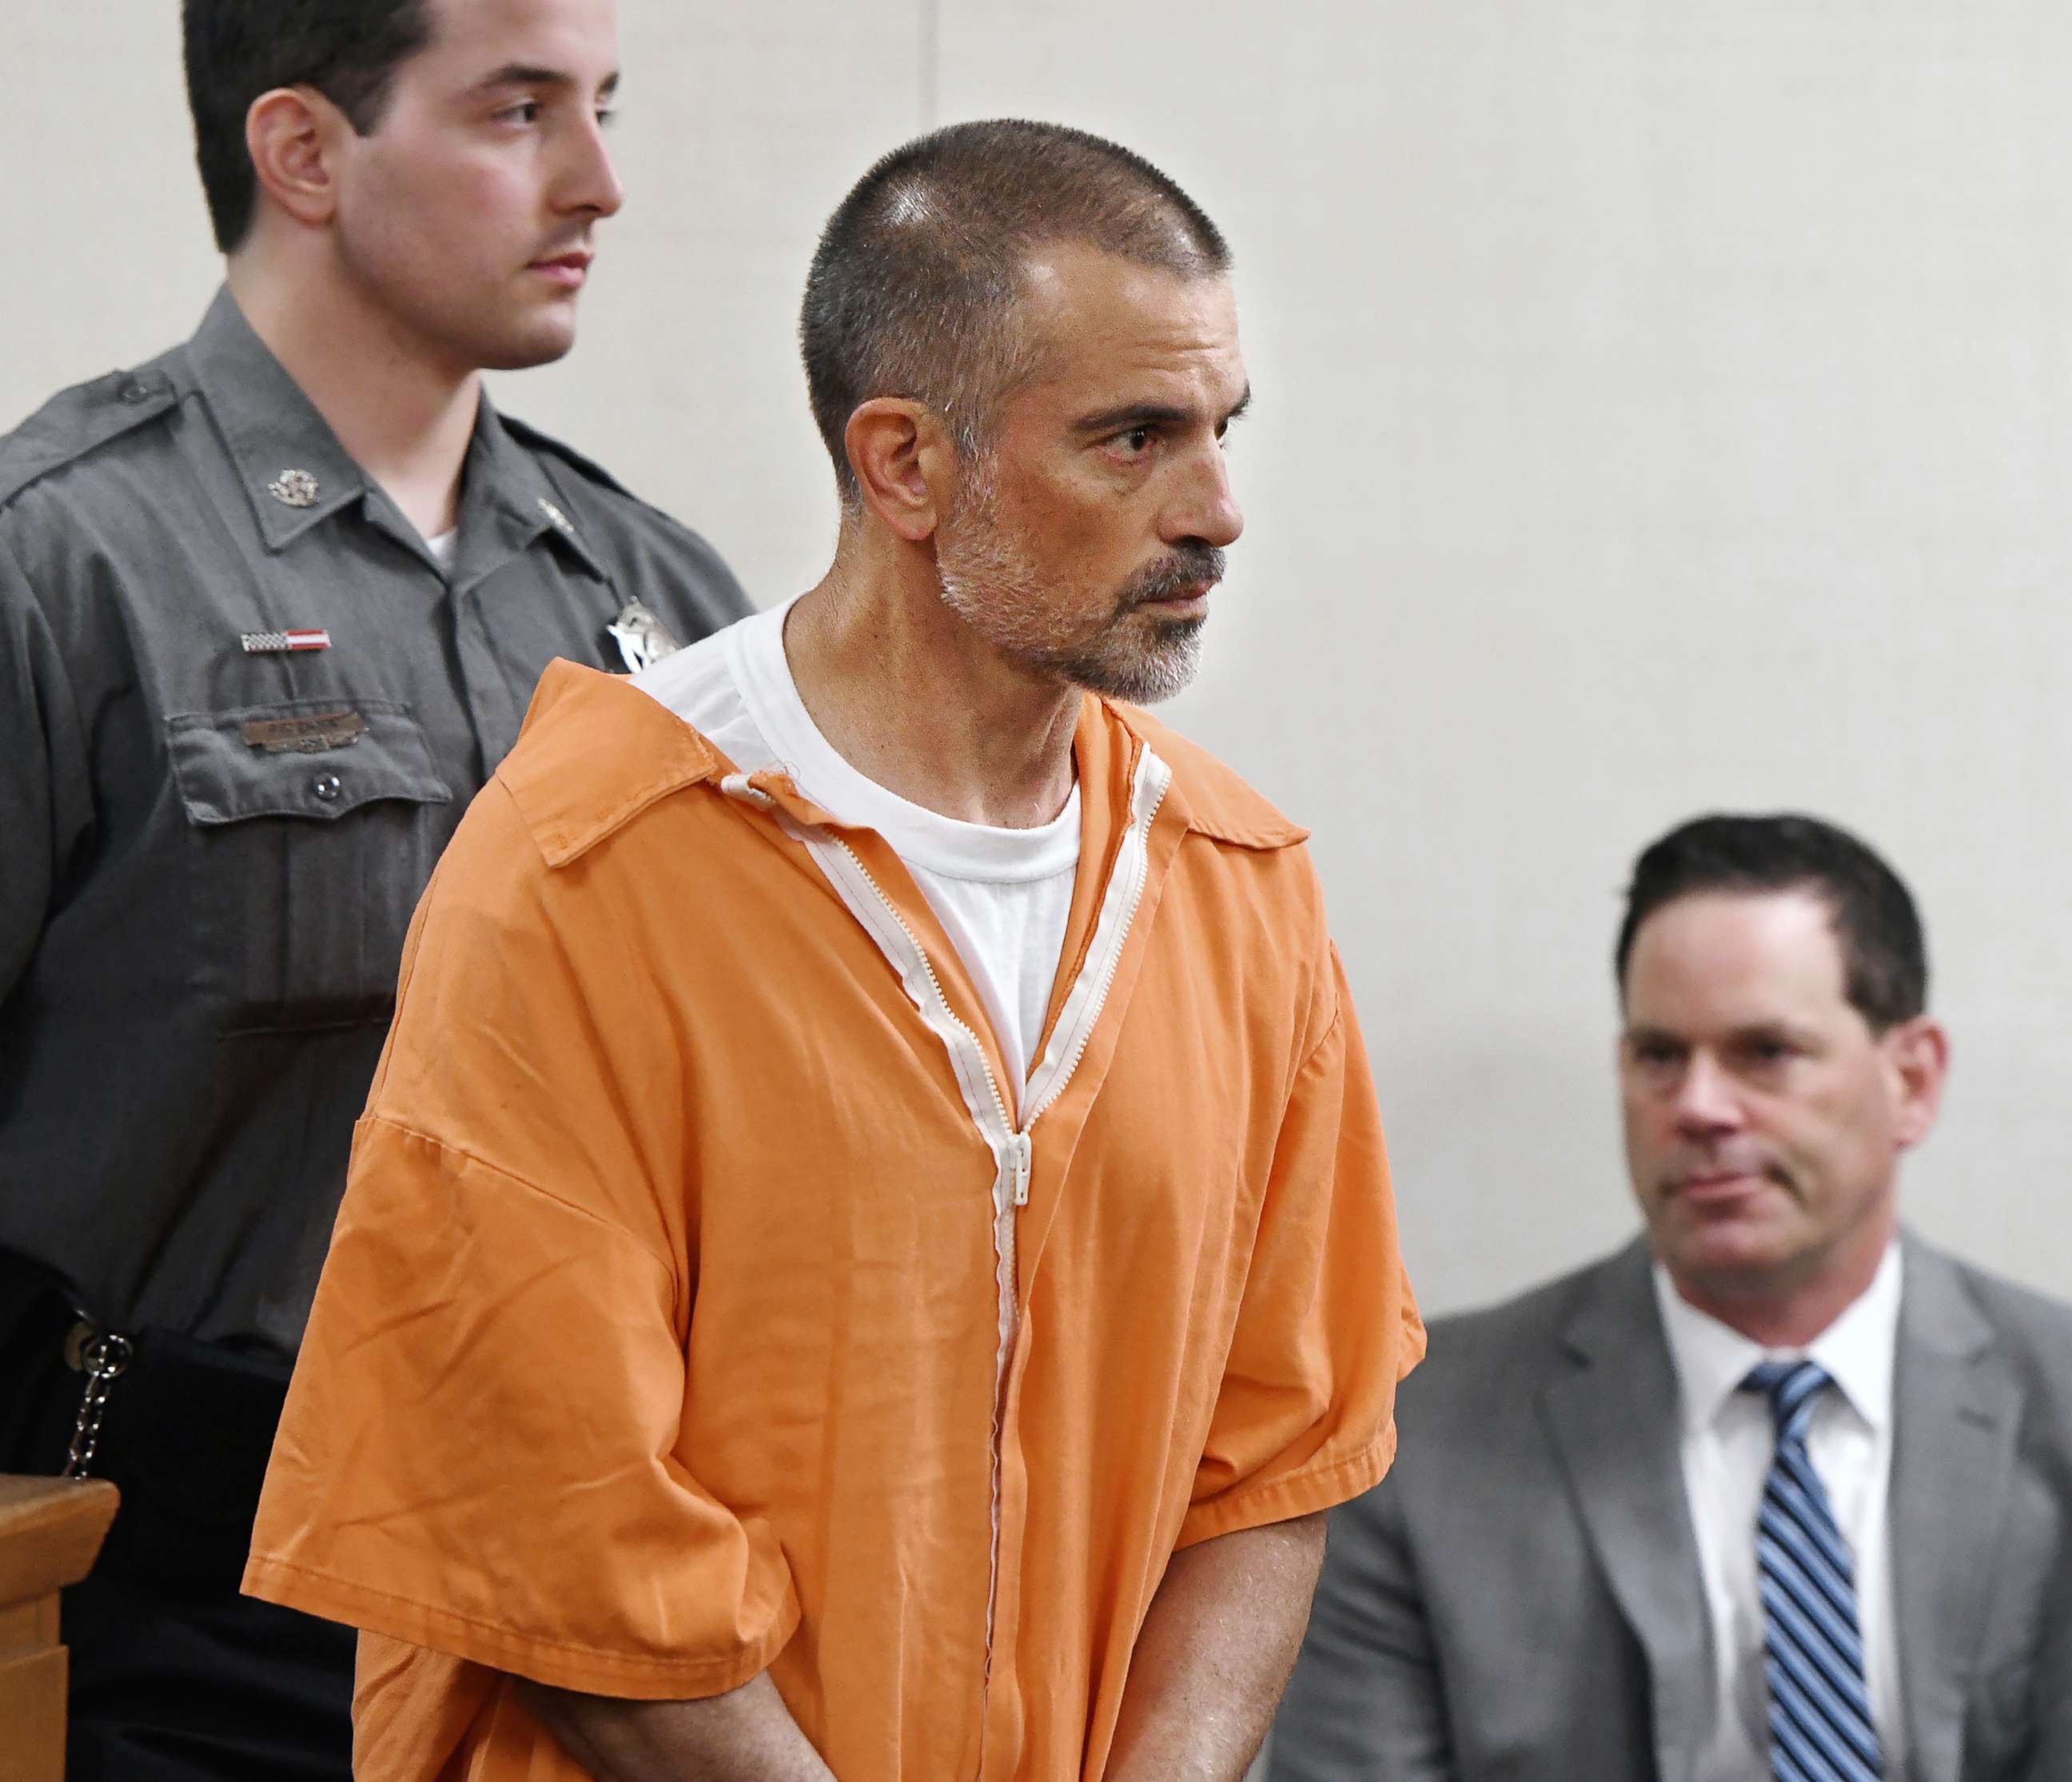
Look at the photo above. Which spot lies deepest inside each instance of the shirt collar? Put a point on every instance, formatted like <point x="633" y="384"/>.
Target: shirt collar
<point x="297" y="475"/>
<point x="506" y="502"/>
<point x="295" y="471"/>
<point x="1712" y="1359"/>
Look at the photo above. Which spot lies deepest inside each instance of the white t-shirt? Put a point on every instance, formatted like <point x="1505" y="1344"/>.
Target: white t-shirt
<point x="443" y="547"/>
<point x="1004" y="896"/>
<point x="1728" y="1441"/>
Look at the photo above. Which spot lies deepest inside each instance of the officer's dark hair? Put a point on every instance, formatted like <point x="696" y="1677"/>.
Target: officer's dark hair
<point x="914" y="287"/>
<point x="235" y="50"/>
<point x="1884" y="957"/>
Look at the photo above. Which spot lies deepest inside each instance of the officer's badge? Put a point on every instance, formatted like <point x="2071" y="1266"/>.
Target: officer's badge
<point x="294" y="489"/>
<point x="643" y="639"/>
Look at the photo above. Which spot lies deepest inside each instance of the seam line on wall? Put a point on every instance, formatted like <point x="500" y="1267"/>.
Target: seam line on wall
<point x="930" y="47"/>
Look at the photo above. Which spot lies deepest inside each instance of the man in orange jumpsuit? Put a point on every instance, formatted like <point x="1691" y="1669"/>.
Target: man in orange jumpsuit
<point x="870" y="1247"/>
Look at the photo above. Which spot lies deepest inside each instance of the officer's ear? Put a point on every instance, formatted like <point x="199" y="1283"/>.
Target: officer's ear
<point x="294" y="135"/>
<point x="905" y="461"/>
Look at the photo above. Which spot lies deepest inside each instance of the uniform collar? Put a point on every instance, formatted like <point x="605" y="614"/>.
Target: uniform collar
<point x="1857" y="1350"/>
<point x="507" y="503"/>
<point x="283" y="448"/>
<point x="281" y="445"/>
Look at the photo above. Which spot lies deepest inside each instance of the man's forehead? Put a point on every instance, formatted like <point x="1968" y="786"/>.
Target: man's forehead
<point x="572" y="38"/>
<point x="1744" y="955"/>
<point x="1091" y="314"/>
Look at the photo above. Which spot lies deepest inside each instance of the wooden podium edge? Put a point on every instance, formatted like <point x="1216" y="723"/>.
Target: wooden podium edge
<point x="51" y="1532"/>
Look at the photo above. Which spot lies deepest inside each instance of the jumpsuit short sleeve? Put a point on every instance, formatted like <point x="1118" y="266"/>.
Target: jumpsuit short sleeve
<point x="479" y="1454"/>
<point x="1305" y="1418"/>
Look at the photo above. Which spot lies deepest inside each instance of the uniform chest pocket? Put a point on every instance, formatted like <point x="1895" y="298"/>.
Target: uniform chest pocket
<point x="314" y="827"/>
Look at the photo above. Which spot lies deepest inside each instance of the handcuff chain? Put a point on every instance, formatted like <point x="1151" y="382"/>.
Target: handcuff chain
<point x="106" y="1357"/>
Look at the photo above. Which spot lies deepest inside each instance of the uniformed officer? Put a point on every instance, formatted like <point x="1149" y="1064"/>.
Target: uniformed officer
<point x="271" y="609"/>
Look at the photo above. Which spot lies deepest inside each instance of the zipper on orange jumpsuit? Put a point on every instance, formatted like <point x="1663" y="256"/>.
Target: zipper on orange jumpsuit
<point x="1013" y="1149"/>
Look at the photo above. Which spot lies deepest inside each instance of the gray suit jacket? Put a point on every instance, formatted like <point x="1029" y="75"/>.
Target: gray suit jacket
<point x="1519" y="1600"/>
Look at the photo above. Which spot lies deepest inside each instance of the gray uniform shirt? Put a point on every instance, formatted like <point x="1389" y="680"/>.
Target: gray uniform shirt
<point x="209" y="853"/>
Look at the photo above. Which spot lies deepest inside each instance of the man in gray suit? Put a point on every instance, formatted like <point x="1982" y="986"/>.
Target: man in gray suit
<point x="1777" y="1491"/>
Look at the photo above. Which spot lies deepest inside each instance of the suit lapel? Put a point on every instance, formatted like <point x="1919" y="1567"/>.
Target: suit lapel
<point x="1955" y="1410"/>
<point x="1611" y="1413"/>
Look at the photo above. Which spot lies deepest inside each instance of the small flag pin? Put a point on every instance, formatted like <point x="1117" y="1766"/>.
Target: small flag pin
<point x="281" y="643"/>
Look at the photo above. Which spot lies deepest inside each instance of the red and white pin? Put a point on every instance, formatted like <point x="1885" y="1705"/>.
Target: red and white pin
<point x="282" y="643"/>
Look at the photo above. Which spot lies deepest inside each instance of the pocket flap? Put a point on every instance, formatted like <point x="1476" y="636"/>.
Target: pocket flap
<point x="317" y="758"/>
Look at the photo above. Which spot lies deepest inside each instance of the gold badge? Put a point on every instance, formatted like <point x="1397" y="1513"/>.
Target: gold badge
<point x="294" y="489"/>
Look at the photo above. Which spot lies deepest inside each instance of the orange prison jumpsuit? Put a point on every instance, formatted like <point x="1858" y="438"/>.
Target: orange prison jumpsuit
<point x="701" y="1305"/>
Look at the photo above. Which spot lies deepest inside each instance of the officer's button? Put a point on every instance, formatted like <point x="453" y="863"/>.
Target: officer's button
<point x="326" y="786"/>
<point x="136" y="390"/>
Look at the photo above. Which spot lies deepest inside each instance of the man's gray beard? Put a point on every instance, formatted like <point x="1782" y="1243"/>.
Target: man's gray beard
<point x="1156" y="673"/>
<point x="987" y="565"/>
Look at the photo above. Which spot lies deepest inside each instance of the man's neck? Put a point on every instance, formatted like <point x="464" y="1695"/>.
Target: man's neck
<point x="906" y="694"/>
<point x="402" y="416"/>
<point x="1790" y="1313"/>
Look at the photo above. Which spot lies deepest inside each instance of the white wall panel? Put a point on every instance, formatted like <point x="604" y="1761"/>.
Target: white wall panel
<point x="108" y="259"/>
<point x="1658" y="407"/>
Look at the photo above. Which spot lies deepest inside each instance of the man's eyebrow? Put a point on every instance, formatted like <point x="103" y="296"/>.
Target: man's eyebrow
<point x="1152" y="414"/>
<point x="528" y="74"/>
<point x="1641" y="1032"/>
<point x="1781" y="1028"/>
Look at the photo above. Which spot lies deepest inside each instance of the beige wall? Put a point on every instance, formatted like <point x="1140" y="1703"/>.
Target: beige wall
<point x="1660" y="405"/>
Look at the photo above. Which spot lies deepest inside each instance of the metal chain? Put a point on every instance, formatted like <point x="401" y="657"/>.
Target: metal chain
<point x="106" y="1357"/>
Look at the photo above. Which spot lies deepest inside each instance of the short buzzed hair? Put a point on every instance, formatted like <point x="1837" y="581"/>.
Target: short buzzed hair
<point x="235" y="50"/>
<point x="1885" y="955"/>
<point x="914" y="285"/>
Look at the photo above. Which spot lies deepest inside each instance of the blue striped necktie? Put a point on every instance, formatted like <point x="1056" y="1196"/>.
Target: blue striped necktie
<point x="1820" y="1728"/>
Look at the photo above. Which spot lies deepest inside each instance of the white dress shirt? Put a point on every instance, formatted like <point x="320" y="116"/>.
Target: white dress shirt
<point x="1728" y="1442"/>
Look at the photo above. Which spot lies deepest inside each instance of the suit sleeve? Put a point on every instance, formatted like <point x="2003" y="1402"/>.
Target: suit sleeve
<point x="2050" y="1756"/>
<point x="479" y="1454"/>
<point x="1365" y="1704"/>
<point x="46" y="790"/>
<point x="1327" y="1324"/>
